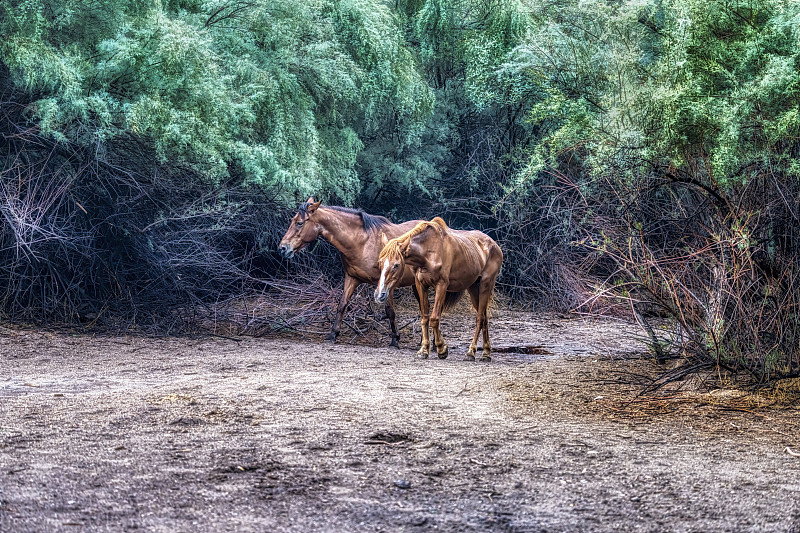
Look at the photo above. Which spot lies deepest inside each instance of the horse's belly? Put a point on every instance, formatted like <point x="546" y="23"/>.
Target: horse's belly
<point x="461" y="285"/>
<point x="456" y="287"/>
<point x="463" y="280"/>
<point x="363" y="276"/>
<point x="452" y="286"/>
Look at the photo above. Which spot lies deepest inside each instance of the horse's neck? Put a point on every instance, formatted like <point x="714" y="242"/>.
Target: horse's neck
<point x="424" y="247"/>
<point x="344" y="231"/>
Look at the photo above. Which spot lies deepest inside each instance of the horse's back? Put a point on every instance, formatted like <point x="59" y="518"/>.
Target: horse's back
<point x="485" y="248"/>
<point x="474" y="255"/>
<point x="365" y="267"/>
<point x="395" y="230"/>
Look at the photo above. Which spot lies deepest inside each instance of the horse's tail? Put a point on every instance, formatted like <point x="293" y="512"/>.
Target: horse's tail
<point x="451" y="299"/>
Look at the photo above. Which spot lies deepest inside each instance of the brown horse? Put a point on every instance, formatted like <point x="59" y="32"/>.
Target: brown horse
<point x="357" y="236"/>
<point x="452" y="262"/>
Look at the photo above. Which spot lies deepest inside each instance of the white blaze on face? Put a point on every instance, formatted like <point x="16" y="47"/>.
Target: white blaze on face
<point x="383" y="275"/>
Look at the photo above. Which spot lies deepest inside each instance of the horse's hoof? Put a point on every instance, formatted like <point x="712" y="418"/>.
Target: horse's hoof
<point x="485" y="359"/>
<point x="394" y="344"/>
<point x="469" y="357"/>
<point x="443" y="355"/>
<point x="331" y="338"/>
<point x="422" y="355"/>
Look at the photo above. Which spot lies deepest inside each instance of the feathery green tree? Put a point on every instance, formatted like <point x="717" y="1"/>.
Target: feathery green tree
<point x="279" y="94"/>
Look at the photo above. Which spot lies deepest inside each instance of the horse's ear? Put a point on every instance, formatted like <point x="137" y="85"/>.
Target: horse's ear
<point x="313" y="205"/>
<point x="403" y="245"/>
<point x="384" y="239"/>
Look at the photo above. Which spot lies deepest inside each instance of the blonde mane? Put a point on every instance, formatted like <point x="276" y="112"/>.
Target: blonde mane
<point x="393" y="247"/>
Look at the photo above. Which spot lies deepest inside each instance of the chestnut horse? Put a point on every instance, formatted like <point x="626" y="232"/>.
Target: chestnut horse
<point x="357" y="236"/>
<point x="451" y="261"/>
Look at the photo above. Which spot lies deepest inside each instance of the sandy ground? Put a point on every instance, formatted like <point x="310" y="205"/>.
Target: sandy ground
<point x="131" y="433"/>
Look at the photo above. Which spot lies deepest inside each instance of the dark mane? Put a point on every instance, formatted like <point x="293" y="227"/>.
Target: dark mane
<point x="370" y="222"/>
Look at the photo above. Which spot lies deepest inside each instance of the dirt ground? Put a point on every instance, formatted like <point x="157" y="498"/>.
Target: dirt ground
<point x="130" y="433"/>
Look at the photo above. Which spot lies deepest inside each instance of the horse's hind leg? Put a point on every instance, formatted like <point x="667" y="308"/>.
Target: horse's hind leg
<point x="350" y="284"/>
<point x="390" y="314"/>
<point x="486" y="291"/>
<point x="474" y="296"/>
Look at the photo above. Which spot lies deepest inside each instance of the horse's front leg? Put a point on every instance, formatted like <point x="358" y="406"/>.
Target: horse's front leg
<point x="350" y="284"/>
<point x="436" y="314"/>
<point x="390" y="314"/>
<point x="424" y="313"/>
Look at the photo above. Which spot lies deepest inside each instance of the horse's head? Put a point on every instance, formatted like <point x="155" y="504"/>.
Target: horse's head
<point x="392" y="264"/>
<point x="303" y="229"/>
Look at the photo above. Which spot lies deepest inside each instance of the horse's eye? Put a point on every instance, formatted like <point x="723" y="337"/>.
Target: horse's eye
<point x="395" y="266"/>
<point x="300" y="224"/>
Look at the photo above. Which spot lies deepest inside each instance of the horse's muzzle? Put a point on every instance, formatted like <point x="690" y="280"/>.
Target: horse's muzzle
<point x="381" y="297"/>
<point x="286" y="251"/>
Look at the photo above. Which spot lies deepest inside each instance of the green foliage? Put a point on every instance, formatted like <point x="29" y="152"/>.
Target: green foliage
<point x="480" y="108"/>
<point x="345" y="97"/>
<point x="731" y="85"/>
<point x="279" y="94"/>
<point x="676" y="82"/>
